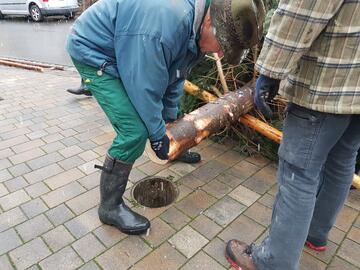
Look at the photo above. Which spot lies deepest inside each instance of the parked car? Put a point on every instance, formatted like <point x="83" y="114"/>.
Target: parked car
<point x="38" y="9"/>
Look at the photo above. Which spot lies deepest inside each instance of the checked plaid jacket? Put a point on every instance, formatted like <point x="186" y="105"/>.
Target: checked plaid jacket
<point x="314" y="47"/>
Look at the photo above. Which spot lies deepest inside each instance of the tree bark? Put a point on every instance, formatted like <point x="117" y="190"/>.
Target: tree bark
<point x="209" y="119"/>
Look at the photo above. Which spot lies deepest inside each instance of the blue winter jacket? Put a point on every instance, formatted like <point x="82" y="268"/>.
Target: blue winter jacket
<point x="149" y="44"/>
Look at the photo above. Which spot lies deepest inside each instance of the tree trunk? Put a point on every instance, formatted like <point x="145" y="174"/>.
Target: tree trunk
<point x="209" y="119"/>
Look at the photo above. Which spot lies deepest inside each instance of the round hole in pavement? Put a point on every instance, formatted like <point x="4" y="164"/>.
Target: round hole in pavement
<point x="154" y="192"/>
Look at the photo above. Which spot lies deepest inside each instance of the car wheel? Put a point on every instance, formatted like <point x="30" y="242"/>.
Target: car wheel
<point x="35" y="13"/>
<point x="1" y="16"/>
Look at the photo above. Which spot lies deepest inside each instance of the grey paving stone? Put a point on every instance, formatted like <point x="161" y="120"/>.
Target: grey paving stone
<point x="86" y="145"/>
<point x="243" y="170"/>
<point x="5" y="163"/>
<point x="58" y="238"/>
<point x="63" y="194"/>
<point x="45" y="160"/>
<point x="340" y="264"/>
<point x="5" y="263"/>
<point x="5" y="175"/>
<point x="188" y="241"/>
<point x="69" y="141"/>
<point x="63" y="178"/>
<point x="36" y="134"/>
<point x="52" y="137"/>
<point x="88" y="155"/>
<point x="34" y="227"/>
<point x="90" y="181"/>
<point x="225" y="211"/>
<point x="175" y="218"/>
<point x="209" y="171"/>
<point x="84" y="201"/>
<point x="353" y="199"/>
<point x="13" y="141"/>
<point x="84" y="223"/>
<point x="195" y="203"/>
<point x="349" y="251"/>
<point x="243" y="229"/>
<point x="29" y="254"/>
<point x="14" y="133"/>
<point x="68" y="132"/>
<point x="70" y="151"/>
<point x="124" y="254"/>
<point x="136" y="175"/>
<point x="65" y="259"/>
<point x="88" y="167"/>
<point x="159" y="232"/>
<point x="27" y="146"/>
<point x="217" y="189"/>
<point x="14" y="199"/>
<point x="88" y="247"/>
<point x="109" y="235"/>
<point x="16" y="184"/>
<point x="202" y="261"/>
<point x="163" y="258"/>
<point x="37" y="189"/>
<point x="259" y="213"/>
<point x="19" y="169"/>
<point x="267" y="200"/>
<point x="346" y="218"/>
<point x="59" y="214"/>
<point x="3" y="190"/>
<point x="43" y="173"/>
<point x="9" y="241"/>
<point x="4" y="153"/>
<point x="263" y="180"/>
<point x="205" y="226"/>
<point x="34" y="208"/>
<point x="71" y="162"/>
<point x="52" y="147"/>
<point x="90" y="266"/>
<point x="26" y="156"/>
<point x="11" y="218"/>
<point x="244" y="195"/>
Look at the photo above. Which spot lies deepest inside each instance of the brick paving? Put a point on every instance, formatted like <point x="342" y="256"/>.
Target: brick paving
<point x="49" y="142"/>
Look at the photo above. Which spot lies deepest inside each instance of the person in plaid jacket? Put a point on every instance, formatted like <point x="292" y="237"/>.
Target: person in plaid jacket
<point x="312" y="54"/>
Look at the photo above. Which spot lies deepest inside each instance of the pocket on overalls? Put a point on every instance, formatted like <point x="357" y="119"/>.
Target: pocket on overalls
<point x="300" y="128"/>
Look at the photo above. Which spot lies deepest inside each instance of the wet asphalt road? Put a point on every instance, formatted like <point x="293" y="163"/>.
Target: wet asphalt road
<point x="44" y="42"/>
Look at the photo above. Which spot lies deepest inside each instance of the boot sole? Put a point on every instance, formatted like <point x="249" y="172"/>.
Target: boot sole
<point x="313" y="247"/>
<point x="233" y="264"/>
<point x="129" y="232"/>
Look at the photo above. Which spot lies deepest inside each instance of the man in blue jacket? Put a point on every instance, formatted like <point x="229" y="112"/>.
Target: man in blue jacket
<point x="133" y="56"/>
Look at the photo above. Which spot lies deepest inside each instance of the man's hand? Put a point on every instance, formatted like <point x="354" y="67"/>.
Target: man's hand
<point x="265" y="90"/>
<point x="161" y="147"/>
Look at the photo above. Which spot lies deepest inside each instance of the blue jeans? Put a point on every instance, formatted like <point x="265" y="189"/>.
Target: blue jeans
<point x="316" y="167"/>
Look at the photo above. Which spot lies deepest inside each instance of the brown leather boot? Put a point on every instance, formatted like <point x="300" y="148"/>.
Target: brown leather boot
<point x="239" y="255"/>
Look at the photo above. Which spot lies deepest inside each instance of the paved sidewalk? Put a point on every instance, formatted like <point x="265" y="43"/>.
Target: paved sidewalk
<point x="49" y="142"/>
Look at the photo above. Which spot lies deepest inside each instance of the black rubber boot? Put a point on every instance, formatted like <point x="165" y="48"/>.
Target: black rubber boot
<point x="113" y="210"/>
<point x="189" y="157"/>
<point x="80" y="91"/>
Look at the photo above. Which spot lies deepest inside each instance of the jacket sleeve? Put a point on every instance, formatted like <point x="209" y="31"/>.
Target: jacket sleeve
<point x="171" y="99"/>
<point x="293" y="29"/>
<point x="142" y="62"/>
